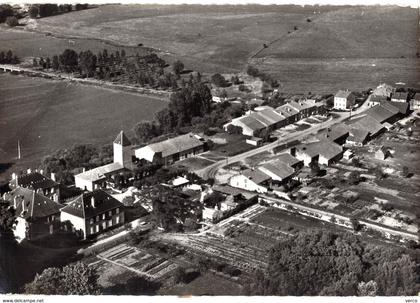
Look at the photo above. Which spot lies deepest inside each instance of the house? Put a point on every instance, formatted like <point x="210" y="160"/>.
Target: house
<point x="323" y="152"/>
<point x="41" y="184"/>
<point x="290" y="113"/>
<point x="251" y="180"/>
<point x="171" y="150"/>
<point x="375" y="100"/>
<point x="92" y="213"/>
<point x="382" y="153"/>
<point x="415" y="102"/>
<point x="384" y="112"/>
<point x="399" y="97"/>
<point x="97" y="177"/>
<point x="383" y="90"/>
<point x="344" y="100"/>
<point x="36" y="215"/>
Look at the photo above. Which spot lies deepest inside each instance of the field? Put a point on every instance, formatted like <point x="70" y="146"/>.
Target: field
<point x="341" y="47"/>
<point x="47" y="115"/>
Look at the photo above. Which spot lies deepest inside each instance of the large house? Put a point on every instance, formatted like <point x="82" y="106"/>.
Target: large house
<point x="92" y="213"/>
<point x="344" y="100"/>
<point x="36" y="215"/>
<point x="383" y="90"/>
<point x="323" y="152"/>
<point x="36" y="181"/>
<point x="96" y="178"/>
<point x="171" y="150"/>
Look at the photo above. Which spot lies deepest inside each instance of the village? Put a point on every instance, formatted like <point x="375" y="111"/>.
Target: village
<point x="336" y="163"/>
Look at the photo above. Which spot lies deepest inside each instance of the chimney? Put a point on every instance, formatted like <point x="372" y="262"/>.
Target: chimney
<point x="53" y="176"/>
<point x="84" y="169"/>
<point x="92" y="202"/>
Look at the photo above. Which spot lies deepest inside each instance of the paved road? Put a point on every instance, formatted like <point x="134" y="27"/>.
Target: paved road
<point x="211" y="170"/>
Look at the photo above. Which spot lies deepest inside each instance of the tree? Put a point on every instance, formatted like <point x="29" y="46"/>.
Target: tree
<point x="12" y="21"/>
<point x="354" y="177"/>
<point x="355" y="224"/>
<point x="55" y="63"/>
<point x="179" y="275"/>
<point x="144" y="131"/>
<point x="73" y="279"/>
<point x="219" y="80"/>
<point x="234" y="129"/>
<point x="69" y="60"/>
<point x="33" y="11"/>
<point x="177" y="67"/>
<point x="252" y="71"/>
<point x="235" y="80"/>
<point x="365" y="289"/>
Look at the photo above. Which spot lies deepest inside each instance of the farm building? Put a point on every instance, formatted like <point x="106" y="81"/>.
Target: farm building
<point x="344" y="100"/>
<point x="251" y="180"/>
<point x="357" y="136"/>
<point x="399" y="97"/>
<point x="171" y="150"/>
<point x="337" y="134"/>
<point x="278" y="171"/>
<point x="415" y="102"/>
<point x="289" y="160"/>
<point x="322" y="152"/>
<point x="255" y="141"/>
<point x="348" y="154"/>
<point x="37" y="215"/>
<point x="41" y="184"/>
<point x="375" y="100"/>
<point x="371" y="125"/>
<point x="96" y="178"/>
<point x="384" y="112"/>
<point x="92" y="213"/>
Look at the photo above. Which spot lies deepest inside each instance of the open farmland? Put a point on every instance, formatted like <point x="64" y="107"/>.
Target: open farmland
<point x="48" y="115"/>
<point x="342" y="47"/>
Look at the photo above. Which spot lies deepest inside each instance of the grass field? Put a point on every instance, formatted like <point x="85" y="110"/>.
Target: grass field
<point x="342" y="47"/>
<point x="48" y="115"/>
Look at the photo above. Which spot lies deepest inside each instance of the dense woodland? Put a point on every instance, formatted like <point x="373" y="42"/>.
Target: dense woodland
<point x="8" y="58"/>
<point x="323" y="263"/>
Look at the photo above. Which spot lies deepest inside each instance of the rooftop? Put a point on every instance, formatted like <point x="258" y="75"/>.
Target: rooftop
<point x="256" y="175"/>
<point x="82" y="206"/>
<point x="175" y="145"/>
<point x="368" y="124"/>
<point x="35" y="181"/>
<point x="287" y="159"/>
<point x="31" y="205"/>
<point x="100" y="172"/>
<point x="400" y="96"/>
<point x="277" y="170"/>
<point x="343" y="94"/>
<point x="121" y="139"/>
<point x="324" y="148"/>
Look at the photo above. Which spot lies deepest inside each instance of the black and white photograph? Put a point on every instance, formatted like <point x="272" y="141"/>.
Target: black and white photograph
<point x="221" y="150"/>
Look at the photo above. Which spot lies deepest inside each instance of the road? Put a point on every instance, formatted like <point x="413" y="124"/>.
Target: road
<point x="211" y="170"/>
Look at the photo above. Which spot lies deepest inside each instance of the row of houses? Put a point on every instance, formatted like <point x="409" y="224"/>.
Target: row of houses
<point x="385" y="92"/>
<point x="267" y="118"/>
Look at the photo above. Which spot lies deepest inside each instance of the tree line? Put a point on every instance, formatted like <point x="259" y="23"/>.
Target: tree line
<point x="51" y="9"/>
<point x="328" y="264"/>
<point x="8" y="58"/>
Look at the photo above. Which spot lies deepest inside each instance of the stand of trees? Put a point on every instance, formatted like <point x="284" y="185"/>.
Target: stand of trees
<point x="6" y="10"/>
<point x="323" y="263"/>
<point x="64" y="161"/>
<point x="50" y="9"/>
<point x="73" y="279"/>
<point x="8" y="58"/>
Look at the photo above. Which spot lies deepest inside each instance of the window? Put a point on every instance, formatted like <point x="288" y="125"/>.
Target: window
<point x="103" y="216"/>
<point x="91" y="221"/>
<point x="117" y="210"/>
<point x="110" y="223"/>
<point x="97" y="228"/>
<point x="97" y="218"/>
<point x="110" y="213"/>
<point x="104" y="225"/>
<point x="117" y="220"/>
<point x="92" y="230"/>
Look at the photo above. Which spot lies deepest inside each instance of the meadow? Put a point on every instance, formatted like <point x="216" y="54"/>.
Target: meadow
<point x="46" y="115"/>
<point x="311" y="48"/>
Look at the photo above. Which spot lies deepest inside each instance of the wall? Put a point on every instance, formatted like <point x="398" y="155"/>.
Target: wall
<point x="243" y="182"/>
<point x="77" y="222"/>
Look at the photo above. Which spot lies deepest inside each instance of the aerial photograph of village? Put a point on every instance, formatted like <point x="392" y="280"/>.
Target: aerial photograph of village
<point x="209" y="150"/>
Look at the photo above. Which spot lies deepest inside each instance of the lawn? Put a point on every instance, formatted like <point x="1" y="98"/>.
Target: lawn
<point x="47" y="115"/>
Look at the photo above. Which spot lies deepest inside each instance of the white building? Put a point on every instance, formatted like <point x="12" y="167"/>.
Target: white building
<point x="96" y="178"/>
<point x="344" y="100"/>
<point x="251" y="180"/>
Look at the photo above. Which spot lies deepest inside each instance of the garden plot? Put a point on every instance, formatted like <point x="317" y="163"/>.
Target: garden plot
<point x="135" y="260"/>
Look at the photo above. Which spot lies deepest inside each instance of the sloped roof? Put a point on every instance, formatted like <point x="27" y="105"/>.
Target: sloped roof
<point x="255" y="175"/>
<point x="100" y="172"/>
<point x="270" y="115"/>
<point x="379" y="113"/>
<point x="368" y="124"/>
<point x="325" y="148"/>
<point x="36" y="181"/>
<point x="175" y="145"/>
<point x="416" y="97"/>
<point x="31" y="205"/>
<point x="343" y="94"/>
<point x="335" y="132"/>
<point x="82" y="206"/>
<point x="122" y="139"/>
<point x="252" y="123"/>
<point x="358" y="134"/>
<point x="401" y="106"/>
<point x="287" y="110"/>
<point x="278" y="170"/>
<point x="383" y="90"/>
<point x="377" y="98"/>
<point x="287" y="159"/>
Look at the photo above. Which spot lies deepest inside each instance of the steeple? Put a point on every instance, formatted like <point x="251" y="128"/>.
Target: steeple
<point x="122" y="139"/>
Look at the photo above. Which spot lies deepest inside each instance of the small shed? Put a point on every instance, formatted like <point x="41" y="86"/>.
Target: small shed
<point x="382" y="153"/>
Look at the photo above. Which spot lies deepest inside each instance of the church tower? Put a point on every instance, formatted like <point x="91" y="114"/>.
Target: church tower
<point x="123" y="151"/>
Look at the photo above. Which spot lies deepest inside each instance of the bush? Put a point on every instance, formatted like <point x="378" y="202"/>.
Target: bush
<point x="12" y="21"/>
<point x="219" y="80"/>
<point x="233" y="129"/>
